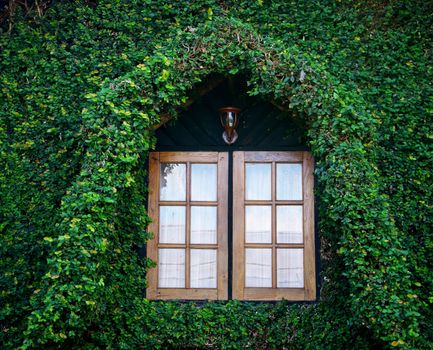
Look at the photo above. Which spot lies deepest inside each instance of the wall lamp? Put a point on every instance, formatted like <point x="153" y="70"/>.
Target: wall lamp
<point x="229" y="119"/>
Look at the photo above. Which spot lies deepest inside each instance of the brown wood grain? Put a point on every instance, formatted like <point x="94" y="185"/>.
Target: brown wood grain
<point x="194" y="157"/>
<point x="185" y="294"/>
<point x="152" y="244"/>
<point x="309" y="249"/>
<point x="183" y="246"/>
<point x="296" y="157"/>
<point x="222" y="226"/>
<point x="192" y="203"/>
<point x="270" y="245"/>
<point x="188" y="226"/>
<point x="264" y="294"/>
<point x="269" y="202"/>
<point x="274" y="224"/>
<point x="238" y="226"/>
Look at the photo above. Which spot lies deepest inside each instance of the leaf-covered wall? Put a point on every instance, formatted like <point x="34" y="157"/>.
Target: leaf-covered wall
<point x="82" y="86"/>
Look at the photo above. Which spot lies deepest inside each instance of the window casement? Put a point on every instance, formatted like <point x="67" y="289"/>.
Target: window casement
<point x="273" y="253"/>
<point x="188" y="205"/>
<point x="273" y="219"/>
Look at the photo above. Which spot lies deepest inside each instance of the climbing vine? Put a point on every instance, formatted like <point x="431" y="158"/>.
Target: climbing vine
<point x="84" y="84"/>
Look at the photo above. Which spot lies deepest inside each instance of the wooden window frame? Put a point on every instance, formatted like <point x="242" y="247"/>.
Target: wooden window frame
<point x="240" y="292"/>
<point x="221" y="159"/>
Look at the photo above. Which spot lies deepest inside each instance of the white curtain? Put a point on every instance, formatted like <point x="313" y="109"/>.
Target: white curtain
<point x="258" y="267"/>
<point x="290" y="268"/>
<point x="203" y="268"/>
<point x="258" y="181"/>
<point x="171" y="265"/>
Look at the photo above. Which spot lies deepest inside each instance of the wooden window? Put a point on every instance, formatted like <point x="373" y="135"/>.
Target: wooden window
<point x="188" y="205"/>
<point x="273" y="233"/>
<point x="273" y="226"/>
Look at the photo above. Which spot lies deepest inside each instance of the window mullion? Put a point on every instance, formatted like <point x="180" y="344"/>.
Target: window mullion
<point x="188" y="226"/>
<point x="238" y="225"/>
<point x="274" y="230"/>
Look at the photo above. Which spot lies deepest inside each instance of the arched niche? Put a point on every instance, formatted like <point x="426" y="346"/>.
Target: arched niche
<point x="263" y="125"/>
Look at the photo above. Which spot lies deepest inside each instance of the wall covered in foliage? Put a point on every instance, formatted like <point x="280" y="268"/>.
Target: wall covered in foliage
<point x="83" y="83"/>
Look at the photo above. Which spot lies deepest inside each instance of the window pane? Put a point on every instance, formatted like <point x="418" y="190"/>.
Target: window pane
<point x="258" y="181"/>
<point x="171" y="224"/>
<point x="258" y="267"/>
<point x="289" y="224"/>
<point x="171" y="268"/>
<point x="203" y="225"/>
<point x="290" y="268"/>
<point x="258" y="224"/>
<point x="203" y="268"/>
<point x="173" y="182"/>
<point x="203" y="182"/>
<point x="289" y="181"/>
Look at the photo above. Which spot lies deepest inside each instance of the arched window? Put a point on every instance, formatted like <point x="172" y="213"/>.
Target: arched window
<point x="231" y="221"/>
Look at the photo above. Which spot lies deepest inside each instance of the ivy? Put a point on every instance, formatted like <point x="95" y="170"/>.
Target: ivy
<point x="82" y="87"/>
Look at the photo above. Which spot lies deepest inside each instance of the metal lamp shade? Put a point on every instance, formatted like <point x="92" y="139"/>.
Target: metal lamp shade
<point x="229" y="120"/>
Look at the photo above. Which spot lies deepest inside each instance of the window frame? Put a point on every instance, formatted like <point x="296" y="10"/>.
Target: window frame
<point x="153" y="291"/>
<point x="239" y="291"/>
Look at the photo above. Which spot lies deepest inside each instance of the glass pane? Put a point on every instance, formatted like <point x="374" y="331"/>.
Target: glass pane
<point x="289" y="224"/>
<point x="258" y="181"/>
<point x="258" y="267"/>
<point x="258" y="224"/>
<point x="203" y="268"/>
<point x="172" y="182"/>
<point x="171" y="268"/>
<point x="203" y="225"/>
<point x="171" y="224"/>
<point x="290" y="268"/>
<point x="203" y="182"/>
<point x="289" y="181"/>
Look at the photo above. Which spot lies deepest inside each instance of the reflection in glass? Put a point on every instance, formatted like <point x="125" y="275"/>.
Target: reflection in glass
<point x="258" y="267"/>
<point x="172" y="182"/>
<point x="172" y="224"/>
<point x="203" y="268"/>
<point x="289" y="181"/>
<point x="258" y="181"/>
<point x="203" y="182"/>
<point x="203" y="225"/>
<point x="258" y="224"/>
<point x="289" y="224"/>
<point x="290" y="268"/>
<point x="171" y="268"/>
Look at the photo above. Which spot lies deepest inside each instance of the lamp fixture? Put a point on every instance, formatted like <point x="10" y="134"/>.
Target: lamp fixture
<point x="229" y="119"/>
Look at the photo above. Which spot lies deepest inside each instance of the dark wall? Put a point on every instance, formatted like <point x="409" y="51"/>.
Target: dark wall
<point x="262" y="126"/>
